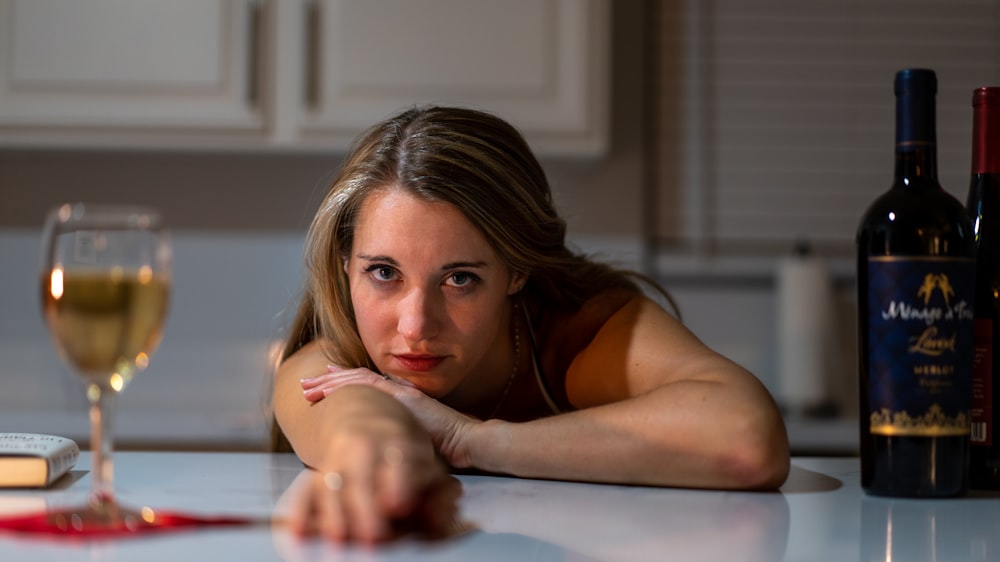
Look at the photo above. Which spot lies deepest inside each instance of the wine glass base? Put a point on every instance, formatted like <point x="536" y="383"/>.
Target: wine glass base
<point x="109" y="520"/>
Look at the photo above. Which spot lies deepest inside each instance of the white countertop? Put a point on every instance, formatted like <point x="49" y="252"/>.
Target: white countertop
<point x="248" y="430"/>
<point x="820" y="514"/>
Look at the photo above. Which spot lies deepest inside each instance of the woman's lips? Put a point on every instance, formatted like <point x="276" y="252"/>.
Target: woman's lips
<point x="419" y="363"/>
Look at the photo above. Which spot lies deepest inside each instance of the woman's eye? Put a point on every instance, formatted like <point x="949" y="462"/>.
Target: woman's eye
<point x="462" y="279"/>
<point x="382" y="272"/>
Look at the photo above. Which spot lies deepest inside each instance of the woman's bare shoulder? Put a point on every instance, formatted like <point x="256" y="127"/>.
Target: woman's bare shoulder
<point x="308" y="360"/>
<point x="638" y="347"/>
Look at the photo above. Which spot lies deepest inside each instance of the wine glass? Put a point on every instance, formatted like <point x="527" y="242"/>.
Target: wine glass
<point x="106" y="273"/>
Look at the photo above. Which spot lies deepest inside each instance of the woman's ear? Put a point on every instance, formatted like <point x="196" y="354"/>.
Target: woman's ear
<point x="517" y="282"/>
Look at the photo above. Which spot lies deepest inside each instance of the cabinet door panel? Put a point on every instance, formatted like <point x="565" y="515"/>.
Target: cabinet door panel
<point x="452" y="47"/>
<point x="127" y="64"/>
<point x="540" y="63"/>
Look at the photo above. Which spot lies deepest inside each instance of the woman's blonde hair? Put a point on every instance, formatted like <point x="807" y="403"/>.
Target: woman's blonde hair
<point x="473" y="160"/>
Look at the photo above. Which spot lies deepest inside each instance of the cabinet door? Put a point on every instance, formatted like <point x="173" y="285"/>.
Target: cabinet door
<point x="100" y="67"/>
<point x="542" y="64"/>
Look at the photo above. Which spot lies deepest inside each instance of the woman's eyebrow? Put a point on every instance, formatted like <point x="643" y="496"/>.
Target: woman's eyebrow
<point x="385" y="259"/>
<point x="451" y="265"/>
<point x="465" y="265"/>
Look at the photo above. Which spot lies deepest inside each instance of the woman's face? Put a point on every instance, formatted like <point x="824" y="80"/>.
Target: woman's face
<point x="430" y="295"/>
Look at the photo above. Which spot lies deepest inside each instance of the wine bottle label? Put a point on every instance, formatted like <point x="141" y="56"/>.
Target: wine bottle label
<point x="920" y="345"/>
<point x="982" y="384"/>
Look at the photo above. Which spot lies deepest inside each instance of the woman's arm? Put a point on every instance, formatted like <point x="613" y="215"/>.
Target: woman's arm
<point x="376" y="466"/>
<point x="311" y="428"/>
<point x="656" y="407"/>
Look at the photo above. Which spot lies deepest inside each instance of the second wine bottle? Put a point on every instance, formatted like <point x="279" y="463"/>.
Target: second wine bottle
<point x="984" y="210"/>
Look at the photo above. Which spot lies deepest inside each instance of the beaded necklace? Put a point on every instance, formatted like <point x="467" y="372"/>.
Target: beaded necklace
<point x="517" y="363"/>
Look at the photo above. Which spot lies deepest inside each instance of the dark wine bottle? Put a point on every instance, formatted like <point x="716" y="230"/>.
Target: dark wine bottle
<point x="984" y="210"/>
<point x="916" y="285"/>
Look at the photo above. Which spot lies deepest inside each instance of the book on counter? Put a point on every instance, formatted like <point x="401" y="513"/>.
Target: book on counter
<point x="34" y="460"/>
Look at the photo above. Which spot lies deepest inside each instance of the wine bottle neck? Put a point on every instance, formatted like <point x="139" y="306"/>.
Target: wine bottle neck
<point x="916" y="135"/>
<point x="986" y="131"/>
<point x="916" y="165"/>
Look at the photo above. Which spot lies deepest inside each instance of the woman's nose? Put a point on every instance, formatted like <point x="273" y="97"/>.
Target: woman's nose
<point x="418" y="316"/>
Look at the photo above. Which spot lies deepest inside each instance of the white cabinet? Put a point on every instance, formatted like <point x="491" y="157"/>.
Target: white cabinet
<point x="77" y="70"/>
<point x="296" y="74"/>
<point x="541" y="63"/>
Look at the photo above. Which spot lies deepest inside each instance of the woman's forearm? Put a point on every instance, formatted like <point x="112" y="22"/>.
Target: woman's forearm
<point x="688" y="434"/>
<point x="313" y="428"/>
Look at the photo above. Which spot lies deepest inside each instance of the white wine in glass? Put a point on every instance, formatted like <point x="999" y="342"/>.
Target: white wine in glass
<point x="105" y="283"/>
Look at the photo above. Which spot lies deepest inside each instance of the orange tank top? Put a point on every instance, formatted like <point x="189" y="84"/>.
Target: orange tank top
<point x="555" y="338"/>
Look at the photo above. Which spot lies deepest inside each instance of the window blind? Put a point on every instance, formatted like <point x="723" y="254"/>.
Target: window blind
<point x="775" y="119"/>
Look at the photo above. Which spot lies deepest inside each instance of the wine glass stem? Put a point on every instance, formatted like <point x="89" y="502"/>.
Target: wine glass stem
<point x="101" y="445"/>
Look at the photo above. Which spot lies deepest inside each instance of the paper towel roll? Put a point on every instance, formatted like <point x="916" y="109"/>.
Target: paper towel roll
<point x="805" y="333"/>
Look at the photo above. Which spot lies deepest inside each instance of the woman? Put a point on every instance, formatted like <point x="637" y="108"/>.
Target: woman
<point x="445" y="325"/>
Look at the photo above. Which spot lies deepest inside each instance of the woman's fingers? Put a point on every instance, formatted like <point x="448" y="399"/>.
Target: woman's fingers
<point x="367" y="521"/>
<point x="417" y="492"/>
<point x="405" y="474"/>
<point x="331" y="519"/>
<point x="397" y="480"/>
<point x="296" y="505"/>
<point x="316" y="388"/>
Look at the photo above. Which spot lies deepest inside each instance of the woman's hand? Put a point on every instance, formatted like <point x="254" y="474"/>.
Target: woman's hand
<point x="310" y="507"/>
<point x="449" y="429"/>
<point x="368" y="509"/>
<point x="378" y="477"/>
